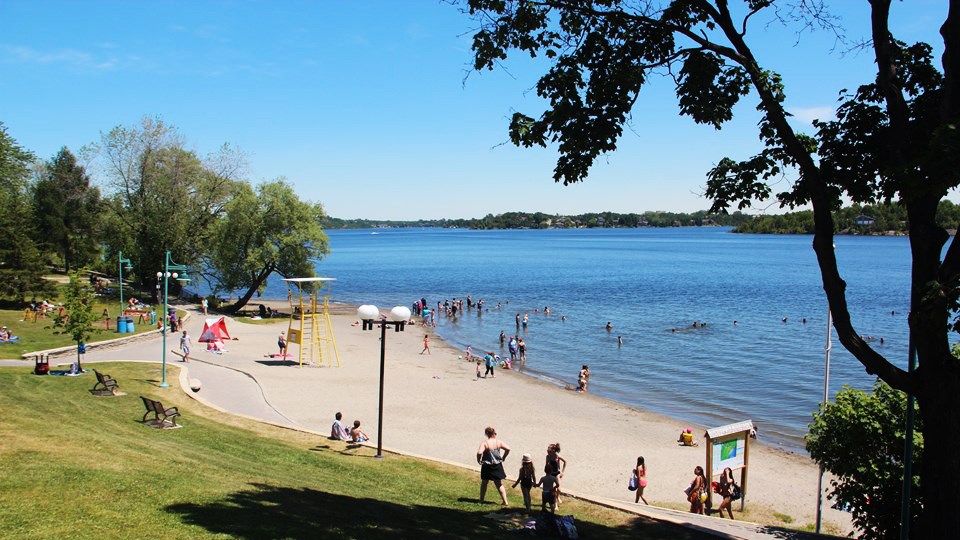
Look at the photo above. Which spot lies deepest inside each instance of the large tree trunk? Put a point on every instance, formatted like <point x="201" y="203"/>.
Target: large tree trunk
<point x="940" y="410"/>
<point x="257" y="282"/>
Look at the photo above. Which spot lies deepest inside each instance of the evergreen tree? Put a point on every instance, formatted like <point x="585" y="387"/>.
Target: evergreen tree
<point x="21" y="268"/>
<point x="67" y="210"/>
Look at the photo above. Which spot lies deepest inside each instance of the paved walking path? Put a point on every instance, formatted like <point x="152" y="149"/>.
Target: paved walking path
<point x="235" y="389"/>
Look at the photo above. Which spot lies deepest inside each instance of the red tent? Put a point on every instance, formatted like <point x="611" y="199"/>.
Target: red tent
<point x="214" y="330"/>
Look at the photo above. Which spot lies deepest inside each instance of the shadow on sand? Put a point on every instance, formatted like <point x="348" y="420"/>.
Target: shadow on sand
<point x="266" y="512"/>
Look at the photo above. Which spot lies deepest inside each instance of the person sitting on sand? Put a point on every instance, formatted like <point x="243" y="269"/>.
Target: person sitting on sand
<point x="356" y="435"/>
<point x="686" y="438"/>
<point x="338" y="431"/>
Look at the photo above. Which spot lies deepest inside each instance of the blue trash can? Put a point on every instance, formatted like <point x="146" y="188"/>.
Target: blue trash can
<point x="129" y="319"/>
<point x="121" y="324"/>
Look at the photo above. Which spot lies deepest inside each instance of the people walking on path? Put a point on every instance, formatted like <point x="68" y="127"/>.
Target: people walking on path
<point x="282" y="344"/>
<point x="426" y="345"/>
<point x="204" y="304"/>
<point x="490" y="455"/>
<point x="185" y="346"/>
<point x="726" y="491"/>
<point x="696" y="491"/>
<point x="640" y="474"/>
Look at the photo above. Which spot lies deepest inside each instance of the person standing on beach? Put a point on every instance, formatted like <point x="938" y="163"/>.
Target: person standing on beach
<point x="426" y="345"/>
<point x="641" y="473"/>
<point x="522" y="350"/>
<point x="490" y="455"/>
<point x="282" y="343"/>
<point x="478" y="367"/>
<point x="489" y="362"/>
<point x="185" y="346"/>
<point x="203" y="304"/>
<point x="512" y="346"/>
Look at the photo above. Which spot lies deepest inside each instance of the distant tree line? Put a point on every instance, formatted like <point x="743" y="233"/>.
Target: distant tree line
<point x="149" y="195"/>
<point x="883" y="219"/>
<point x="539" y="220"/>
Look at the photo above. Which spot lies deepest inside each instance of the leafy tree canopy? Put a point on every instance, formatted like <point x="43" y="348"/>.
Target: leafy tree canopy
<point x="263" y="232"/>
<point x="859" y="438"/>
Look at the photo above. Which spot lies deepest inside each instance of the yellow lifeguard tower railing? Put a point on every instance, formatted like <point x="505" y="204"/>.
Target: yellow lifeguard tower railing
<point x="310" y="327"/>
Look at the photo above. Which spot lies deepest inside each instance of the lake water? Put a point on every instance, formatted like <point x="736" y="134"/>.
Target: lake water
<point x="647" y="282"/>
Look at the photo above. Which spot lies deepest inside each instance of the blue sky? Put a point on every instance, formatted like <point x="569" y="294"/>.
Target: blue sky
<point x="363" y="106"/>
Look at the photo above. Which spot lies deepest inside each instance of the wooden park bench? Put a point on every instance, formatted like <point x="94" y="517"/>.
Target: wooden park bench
<point x="162" y="417"/>
<point x="105" y="386"/>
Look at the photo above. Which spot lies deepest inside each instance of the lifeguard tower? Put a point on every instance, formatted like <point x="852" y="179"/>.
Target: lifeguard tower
<point x="310" y="327"/>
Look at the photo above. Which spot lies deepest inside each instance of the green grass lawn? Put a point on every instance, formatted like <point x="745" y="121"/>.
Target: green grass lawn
<point x="40" y="335"/>
<point x="73" y="465"/>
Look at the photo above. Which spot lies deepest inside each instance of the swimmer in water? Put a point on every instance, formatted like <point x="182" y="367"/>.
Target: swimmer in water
<point x="784" y="319"/>
<point x="563" y="318"/>
<point x="619" y="341"/>
<point x="609" y="326"/>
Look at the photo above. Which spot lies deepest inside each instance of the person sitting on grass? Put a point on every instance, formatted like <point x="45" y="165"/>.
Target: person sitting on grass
<point x="5" y="335"/>
<point x="338" y="431"/>
<point x="356" y="435"/>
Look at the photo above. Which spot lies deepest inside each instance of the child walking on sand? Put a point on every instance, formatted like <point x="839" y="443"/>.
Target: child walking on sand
<point x="479" y="363"/>
<point x="426" y="345"/>
<point x="526" y="477"/>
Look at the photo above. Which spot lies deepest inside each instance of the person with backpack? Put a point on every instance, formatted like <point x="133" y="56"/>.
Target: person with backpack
<point x="726" y="489"/>
<point x="638" y="480"/>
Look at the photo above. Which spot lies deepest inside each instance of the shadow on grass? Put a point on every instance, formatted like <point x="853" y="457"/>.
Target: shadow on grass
<point x="267" y="512"/>
<point x="344" y="452"/>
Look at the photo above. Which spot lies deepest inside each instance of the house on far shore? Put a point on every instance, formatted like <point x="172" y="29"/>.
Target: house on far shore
<point x="864" y="220"/>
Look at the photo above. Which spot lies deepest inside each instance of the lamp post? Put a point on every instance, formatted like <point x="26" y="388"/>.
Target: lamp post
<point x="826" y="397"/>
<point x="123" y="264"/>
<point x="166" y="275"/>
<point x="370" y="315"/>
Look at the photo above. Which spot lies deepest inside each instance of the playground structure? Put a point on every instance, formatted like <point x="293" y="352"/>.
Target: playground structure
<point x="310" y="327"/>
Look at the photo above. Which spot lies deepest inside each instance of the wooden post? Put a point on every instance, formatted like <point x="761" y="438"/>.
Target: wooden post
<point x="743" y="471"/>
<point x="709" y="471"/>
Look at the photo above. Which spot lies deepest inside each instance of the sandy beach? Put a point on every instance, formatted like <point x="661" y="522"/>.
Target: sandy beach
<point x="435" y="406"/>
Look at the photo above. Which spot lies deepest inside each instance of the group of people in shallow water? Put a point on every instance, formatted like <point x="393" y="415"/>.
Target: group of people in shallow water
<point x="491" y="455"/>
